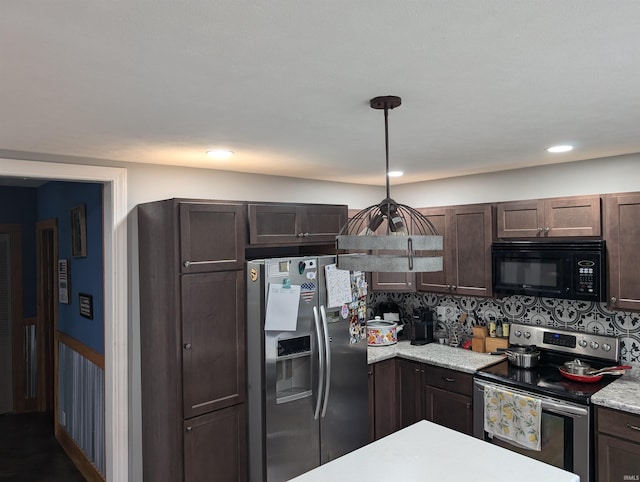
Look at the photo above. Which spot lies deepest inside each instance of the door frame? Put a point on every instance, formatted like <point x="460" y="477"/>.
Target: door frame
<point x="47" y="327"/>
<point x="116" y="316"/>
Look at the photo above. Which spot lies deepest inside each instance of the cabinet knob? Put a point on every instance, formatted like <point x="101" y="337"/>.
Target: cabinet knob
<point x="454" y="287"/>
<point x="633" y="427"/>
<point x="539" y="230"/>
<point x="187" y="346"/>
<point x="189" y="429"/>
<point x="546" y="229"/>
<point x="187" y="264"/>
<point x="614" y="299"/>
<point x="408" y="283"/>
<point x="449" y="379"/>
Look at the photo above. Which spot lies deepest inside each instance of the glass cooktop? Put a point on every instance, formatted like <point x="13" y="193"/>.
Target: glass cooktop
<point x="544" y="379"/>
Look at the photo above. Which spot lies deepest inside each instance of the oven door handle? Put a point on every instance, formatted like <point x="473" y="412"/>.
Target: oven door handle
<point x="546" y="403"/>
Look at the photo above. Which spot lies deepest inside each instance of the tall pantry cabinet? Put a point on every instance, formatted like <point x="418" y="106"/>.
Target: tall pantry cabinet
<point x="191" y="265"/>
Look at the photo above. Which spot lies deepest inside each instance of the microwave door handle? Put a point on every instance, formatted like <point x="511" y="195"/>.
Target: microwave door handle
<point x="321" y="354"/>
<point x="327" y="345"/>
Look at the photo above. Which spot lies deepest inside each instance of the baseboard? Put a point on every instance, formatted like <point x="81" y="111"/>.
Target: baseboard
<point x="77" y="456"/>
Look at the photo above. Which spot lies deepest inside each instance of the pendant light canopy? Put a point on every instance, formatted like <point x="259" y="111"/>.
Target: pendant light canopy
<point x="389" y="237"/>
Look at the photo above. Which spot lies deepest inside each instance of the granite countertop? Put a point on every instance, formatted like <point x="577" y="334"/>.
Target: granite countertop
<point x="623" y="394"/>
<point x="426" y="451"/>
<point x="440" y="355"/>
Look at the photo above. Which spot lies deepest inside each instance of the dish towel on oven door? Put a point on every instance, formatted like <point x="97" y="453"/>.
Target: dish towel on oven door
<point x="512" y="417"/>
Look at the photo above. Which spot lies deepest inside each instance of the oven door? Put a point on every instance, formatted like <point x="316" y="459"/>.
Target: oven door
<point x="564" y="431"/>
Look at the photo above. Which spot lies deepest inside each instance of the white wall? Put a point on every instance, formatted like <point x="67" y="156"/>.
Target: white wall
<point x="595" y="176"/>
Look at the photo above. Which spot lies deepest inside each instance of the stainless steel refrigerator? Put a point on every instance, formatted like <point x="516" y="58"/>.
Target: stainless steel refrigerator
<point x="307" y="365"/>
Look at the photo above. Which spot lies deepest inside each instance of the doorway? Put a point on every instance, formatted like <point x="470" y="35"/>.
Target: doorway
<point x="115" y="293"/>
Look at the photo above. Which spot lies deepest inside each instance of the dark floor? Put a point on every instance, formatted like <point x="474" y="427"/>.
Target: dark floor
<point x="29" y="451"/>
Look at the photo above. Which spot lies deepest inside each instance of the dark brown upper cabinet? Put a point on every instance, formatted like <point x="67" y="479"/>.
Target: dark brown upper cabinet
<point x="295" y="224"/>
<point x="212" y="236"/>
<point x="546" y="218"/>
<point x="622" y="235"/>
<point x="467" y="235"/>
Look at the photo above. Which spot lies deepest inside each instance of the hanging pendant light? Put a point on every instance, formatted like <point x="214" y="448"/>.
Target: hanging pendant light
<point x="388" y="237"/>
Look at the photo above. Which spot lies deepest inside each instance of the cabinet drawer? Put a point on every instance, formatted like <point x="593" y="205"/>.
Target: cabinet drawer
<point x="620" y="424"/>
<point x="451" y="380"/>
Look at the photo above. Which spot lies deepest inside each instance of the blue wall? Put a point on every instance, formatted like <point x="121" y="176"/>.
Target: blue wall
<point x="55" y="200"/>
<point x="19" y="206"/>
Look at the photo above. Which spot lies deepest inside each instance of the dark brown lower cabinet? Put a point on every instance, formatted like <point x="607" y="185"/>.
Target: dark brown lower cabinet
<point x="448" y="398"/>
<point x="409" y="382"/>
<point x="617" y="445"/>
<point x="215" y="446"/>
<point x="385" y="420"/>
<point x="402" y="392"/>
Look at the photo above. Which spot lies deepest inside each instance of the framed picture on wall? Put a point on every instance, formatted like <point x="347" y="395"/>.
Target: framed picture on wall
<point x="79" y="231"/>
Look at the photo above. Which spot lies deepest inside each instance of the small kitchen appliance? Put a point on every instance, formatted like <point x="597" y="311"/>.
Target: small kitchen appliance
<point x="573" y="270"/>
<point x="566" y="411"/>
<point x="422" y="327"/>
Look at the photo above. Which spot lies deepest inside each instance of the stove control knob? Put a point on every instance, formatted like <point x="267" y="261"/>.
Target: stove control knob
<point x="527" y="335"/>
<point x="606" y="347"/>
<point x="517" y="333"/>
<point x="583" y="343"/>
<point x="594" y="345"/>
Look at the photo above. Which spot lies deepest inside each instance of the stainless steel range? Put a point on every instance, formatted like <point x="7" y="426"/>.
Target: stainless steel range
<point x="566" y="422"/>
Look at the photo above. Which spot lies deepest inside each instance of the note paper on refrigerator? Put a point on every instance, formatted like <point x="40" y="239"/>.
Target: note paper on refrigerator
<point x="282" y="308"/>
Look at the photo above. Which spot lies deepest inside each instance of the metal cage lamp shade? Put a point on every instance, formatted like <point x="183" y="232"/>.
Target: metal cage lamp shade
<point x="389" y="237"/>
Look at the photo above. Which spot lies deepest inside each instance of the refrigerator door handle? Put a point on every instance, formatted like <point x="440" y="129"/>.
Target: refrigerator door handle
<point x="321" y="355"/>
<point x="327" y="346"/>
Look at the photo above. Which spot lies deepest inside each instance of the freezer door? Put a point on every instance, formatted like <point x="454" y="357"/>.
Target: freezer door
<point x="292" y="435"/>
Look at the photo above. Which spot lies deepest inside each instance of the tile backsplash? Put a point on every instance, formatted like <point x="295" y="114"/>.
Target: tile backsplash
<point x="566" y="314"/>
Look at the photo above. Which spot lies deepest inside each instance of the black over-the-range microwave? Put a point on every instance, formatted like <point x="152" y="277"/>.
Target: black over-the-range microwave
<point x="573" y="270"/>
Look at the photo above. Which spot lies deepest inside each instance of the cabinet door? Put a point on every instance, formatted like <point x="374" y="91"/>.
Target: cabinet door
<point x="215" y="446"/>
<point x="623" y="245"/>
<point x="469" y="246"/>
<point x="372" y="404"/>
<point x="578" y="216"/>
<point x="404" y="282"/>
<point x="520" y="219"/>
<point x="322" y="223"/>
<point x="380" y="281"/>
<point x="438" y="281"/>
<point x="449" y="409"/>
<point x="212" y="237"/>
<point x="213" y="341"/>
<point x="409" y="384"/>
<point x="274" y="224"/>
<point x="386" y="420"/>
<point x="617" y="459"/>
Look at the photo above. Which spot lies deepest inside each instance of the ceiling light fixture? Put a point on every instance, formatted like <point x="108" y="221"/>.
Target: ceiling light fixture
<point x="220" y="153"/>
<point x="388" y="237"/>
<point x="564" y="148"/>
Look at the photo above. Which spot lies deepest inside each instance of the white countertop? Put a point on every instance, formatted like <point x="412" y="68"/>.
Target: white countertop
<point x="426" y="451"/>
<point x="440" y="355"/>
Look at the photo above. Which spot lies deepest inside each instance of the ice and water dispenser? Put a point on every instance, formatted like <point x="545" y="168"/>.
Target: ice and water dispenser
<point x="293" y="365"/>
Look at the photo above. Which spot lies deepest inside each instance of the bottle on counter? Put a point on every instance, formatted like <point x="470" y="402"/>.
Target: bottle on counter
<point x="492" y="327"/>
<point x="499" y="329"/>
<point x="505" y="329"/>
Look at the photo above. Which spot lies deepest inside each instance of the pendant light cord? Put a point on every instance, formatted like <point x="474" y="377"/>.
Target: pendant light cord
<point x="386" y="144"/>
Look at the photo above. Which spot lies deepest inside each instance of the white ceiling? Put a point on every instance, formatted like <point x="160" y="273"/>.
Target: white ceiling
<point x="486" y="85"/>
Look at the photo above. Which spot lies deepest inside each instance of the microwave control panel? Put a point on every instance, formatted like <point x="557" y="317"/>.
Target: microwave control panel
<point x="586" y="275"/>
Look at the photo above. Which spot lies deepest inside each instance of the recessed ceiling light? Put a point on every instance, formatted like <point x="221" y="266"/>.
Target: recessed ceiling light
<point x="565" y="148"/>
<point x="220" y="153"/>
<point x="395" y="173"/>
